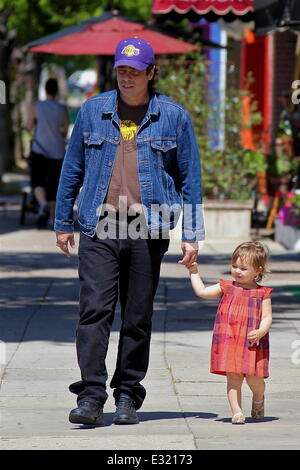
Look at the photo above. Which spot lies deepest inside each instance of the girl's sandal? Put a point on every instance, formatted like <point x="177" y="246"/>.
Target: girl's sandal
<point x="238" y="418"/>
<point x="260" y="412"/>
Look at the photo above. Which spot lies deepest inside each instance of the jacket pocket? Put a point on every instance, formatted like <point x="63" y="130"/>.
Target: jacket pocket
<point x="164" y="156"/>
<point x="163" y="150"/>
<point x="93" y="145"/>
<point x="163" y="145"/>
<point x="91" y="139"/>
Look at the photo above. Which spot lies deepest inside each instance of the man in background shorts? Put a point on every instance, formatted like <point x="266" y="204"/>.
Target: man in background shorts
<point x="49" y="119"/>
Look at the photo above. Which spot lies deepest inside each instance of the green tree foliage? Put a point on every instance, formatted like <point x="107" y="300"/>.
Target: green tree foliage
<point x="23" y="21"/>
<point x="136" y="9"/>
<point x="35" y="18"/>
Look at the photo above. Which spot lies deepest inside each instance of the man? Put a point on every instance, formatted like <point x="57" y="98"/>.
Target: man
<point x="133" y="152"/>
<point x="49" y="119"/>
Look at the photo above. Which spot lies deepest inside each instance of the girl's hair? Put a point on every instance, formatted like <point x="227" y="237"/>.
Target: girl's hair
<point x="255" y="253"/>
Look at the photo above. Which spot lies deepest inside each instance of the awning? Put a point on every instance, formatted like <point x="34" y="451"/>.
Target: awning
<point x="210" y="9"/>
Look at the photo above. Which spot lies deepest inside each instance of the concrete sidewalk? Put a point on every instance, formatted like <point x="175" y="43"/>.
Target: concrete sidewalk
<point x="186" y="407"/>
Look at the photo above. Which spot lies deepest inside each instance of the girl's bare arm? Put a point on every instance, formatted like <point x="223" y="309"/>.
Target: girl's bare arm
<point x="199" y="288"/>
<point x="265" y="323"/>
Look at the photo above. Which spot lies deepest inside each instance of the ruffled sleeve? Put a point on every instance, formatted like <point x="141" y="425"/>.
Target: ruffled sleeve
<point x="224" y="285"/>
<point x="267" y="292"/>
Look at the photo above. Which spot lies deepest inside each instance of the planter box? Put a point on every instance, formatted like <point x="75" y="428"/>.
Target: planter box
<point x="288" y="236"/>
<point x="228" y="219"/>
<point x="224" y="220"/>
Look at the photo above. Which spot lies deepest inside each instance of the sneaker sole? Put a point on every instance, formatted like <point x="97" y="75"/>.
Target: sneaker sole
<point x="125" y="421"/>
<point x="84" y="420"/>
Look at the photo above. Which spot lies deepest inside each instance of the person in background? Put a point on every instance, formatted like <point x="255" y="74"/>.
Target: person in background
<point x="49" y="120"/>
<point x="289" y="122"/>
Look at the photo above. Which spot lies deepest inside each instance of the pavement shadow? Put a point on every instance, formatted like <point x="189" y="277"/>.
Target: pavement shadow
<point x="225" y="259"/>
<point x="31" y="304"/>
<point x="251" y="420"/>
<point x="14" y="261"/>
<point x="32" y="307"/>
<point x="150" y="416"/>
<point x="216" y="260"/>
<point x="10" y="219"/>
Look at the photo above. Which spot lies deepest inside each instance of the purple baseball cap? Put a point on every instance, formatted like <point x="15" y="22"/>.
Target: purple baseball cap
<point x="134" y="52"/>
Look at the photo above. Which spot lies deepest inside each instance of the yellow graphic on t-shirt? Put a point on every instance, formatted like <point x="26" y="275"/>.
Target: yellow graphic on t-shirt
<point x="128" y="129"/>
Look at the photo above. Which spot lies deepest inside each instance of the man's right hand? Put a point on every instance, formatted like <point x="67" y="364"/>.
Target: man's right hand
<point x="63" y="240"/>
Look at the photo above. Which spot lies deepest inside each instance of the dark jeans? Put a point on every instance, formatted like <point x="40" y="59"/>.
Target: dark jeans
<point x="107" y="268"/>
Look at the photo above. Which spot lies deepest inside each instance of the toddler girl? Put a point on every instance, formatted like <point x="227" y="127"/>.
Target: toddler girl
<point x="240" y="343"/>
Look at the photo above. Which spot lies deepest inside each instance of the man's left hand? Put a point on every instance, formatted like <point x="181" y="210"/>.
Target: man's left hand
<point x="190" y="253"/>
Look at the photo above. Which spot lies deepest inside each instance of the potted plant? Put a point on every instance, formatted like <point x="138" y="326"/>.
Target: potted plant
<point x="256" y="162"/>
<point x="281" y="164"/>
<point x="284" y="138"/>
<point x="287" y="223"/>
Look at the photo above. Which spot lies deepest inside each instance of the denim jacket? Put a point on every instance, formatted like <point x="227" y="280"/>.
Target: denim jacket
<point x="168" y="166"/>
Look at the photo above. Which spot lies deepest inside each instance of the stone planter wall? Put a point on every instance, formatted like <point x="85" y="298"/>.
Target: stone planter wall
<point x="224" y="220"/>
<point x="228" y="219"/>
<point x="288" y="236"/>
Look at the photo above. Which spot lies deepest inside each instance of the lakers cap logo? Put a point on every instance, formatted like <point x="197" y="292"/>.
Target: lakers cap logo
<point x="130" y="50"/>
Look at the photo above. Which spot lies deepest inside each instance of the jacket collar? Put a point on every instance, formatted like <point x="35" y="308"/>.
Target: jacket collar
<point x="110" y="106"/>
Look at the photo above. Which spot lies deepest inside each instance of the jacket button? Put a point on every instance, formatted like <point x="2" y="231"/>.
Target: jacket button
<point x="116" y="138"/>
<point x="103" y="186"/>
<point x="109" y="163"/>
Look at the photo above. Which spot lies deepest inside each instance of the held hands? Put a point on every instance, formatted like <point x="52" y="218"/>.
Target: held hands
<point x="62" y="241"/>
<point x="190" y="253"/>
<point x="193" y="268"/>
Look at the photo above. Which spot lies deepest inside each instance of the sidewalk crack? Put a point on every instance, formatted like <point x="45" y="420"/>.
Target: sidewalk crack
<point x="29" y="320"/>
<point x="168" y="367"/>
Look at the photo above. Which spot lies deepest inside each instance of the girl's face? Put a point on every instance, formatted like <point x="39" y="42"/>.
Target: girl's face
<point x="243" y="273"/>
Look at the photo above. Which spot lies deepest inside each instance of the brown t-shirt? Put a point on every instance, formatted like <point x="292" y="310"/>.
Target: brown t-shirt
<point x="125" y="179"/>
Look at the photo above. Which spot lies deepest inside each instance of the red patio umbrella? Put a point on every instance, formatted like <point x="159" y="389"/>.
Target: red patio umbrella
<point x="100" y="37"/>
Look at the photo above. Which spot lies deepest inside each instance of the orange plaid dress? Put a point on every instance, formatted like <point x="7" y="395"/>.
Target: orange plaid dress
<point x="239" y="312"/>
